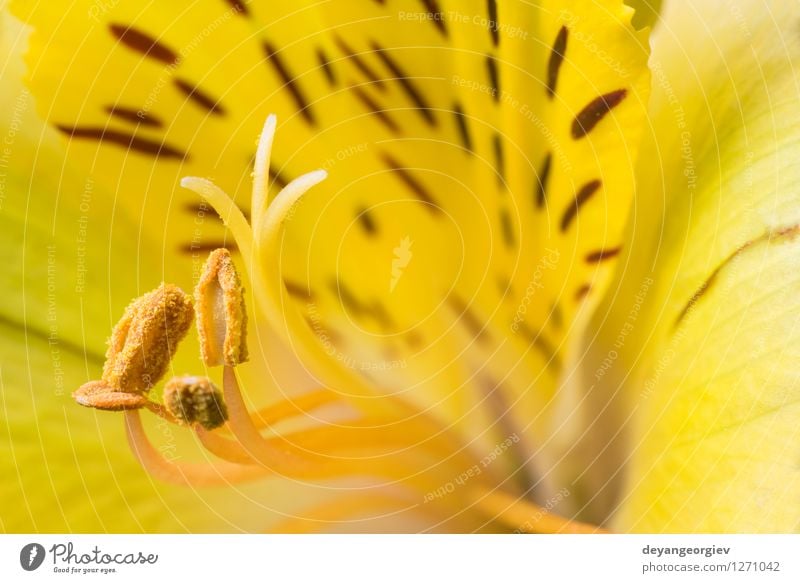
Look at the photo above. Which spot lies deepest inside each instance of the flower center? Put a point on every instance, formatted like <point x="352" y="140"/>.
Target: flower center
<point x="407" y="460"/>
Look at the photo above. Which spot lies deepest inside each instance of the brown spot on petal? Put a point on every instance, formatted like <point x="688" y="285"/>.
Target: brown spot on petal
<point x="359" y="63"/>
<point x="595" y="111"/>
<point x="128" y="141"/>
<point x="134" y="116"/>
<point x="463" y="128"/>
<point x="602" y="255"/>
<point x="143" y="43"/>
<point x="782" y="235"/>
<point x="240" y="6"/>
<point x="199" y="97"/>
<point x="542" y="179"/>
<point x="556" y="59"/>
<point x="494" y="77"/>
<point x="376" y="110"/>
<point x="586" y="192"/>
<point x="411" y="182"/>
<point x="405" y="81"/>
<point x="435" y="15"/>
<point x="289" y="82"/>
<point x="494" y="25"/>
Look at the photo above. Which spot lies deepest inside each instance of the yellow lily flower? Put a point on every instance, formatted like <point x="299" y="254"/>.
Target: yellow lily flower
<point x="490" y="267"/>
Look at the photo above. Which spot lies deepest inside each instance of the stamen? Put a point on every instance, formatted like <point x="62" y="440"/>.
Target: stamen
<point x="220" y="309"/>
<point x="353" y="509"/>
<point x="224" y="448"/>
<point x="358" y="510"/>
<point x="184" y="473"/>
<point x="285" y="409"/>
<point x="319" y="444"/>
<point x="244" y="429"/>
<point x="526" y="517"/>
<point x="232" y="451"/>
<point x="293" y="455"/>
<point x="195" y="400"/>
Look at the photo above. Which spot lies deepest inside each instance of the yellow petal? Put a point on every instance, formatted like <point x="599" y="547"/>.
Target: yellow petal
<point x="714" y="443"/>
<point x="647" y="11"/>
<point x="707" y="301"/>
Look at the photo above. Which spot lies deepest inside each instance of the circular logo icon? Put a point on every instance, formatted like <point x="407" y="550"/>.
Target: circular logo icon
<point x="31" y="556"/>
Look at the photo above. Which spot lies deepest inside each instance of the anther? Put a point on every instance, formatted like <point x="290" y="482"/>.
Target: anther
<point x="99" y="395"/>
<point x="141" y="347"/>
<point x="146" y="338"/>
<point x="220" y="310"/>
<point x="194" y="399"/>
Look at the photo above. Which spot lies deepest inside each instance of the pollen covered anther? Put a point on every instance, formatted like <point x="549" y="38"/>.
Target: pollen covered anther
<point x="194" y="399"/>
<point x="146" y="338"/>
<point x="141" y="347"/>
<point x="220" y="310"/>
